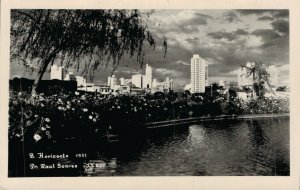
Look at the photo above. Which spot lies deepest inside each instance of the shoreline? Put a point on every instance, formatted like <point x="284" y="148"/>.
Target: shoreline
<point x="191" y="120"/>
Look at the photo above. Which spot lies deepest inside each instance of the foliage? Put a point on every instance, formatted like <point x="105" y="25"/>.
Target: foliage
<point x="260" y="77"/>
<point x="82" y="115"/>
<point x="266" y="106"/>
<point x="86" y="39"/>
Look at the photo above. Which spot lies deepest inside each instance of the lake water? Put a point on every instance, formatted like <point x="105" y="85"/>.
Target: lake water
<point x="214" y="148"/>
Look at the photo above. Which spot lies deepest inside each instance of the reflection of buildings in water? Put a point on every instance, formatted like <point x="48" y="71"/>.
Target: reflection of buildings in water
<point x="260" y="152"/>
<point x="257" y="133"/>
<point x="196" y="135"/>
<point x="229" y="145"/>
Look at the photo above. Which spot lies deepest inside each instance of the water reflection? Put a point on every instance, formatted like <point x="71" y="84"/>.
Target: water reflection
<point x="218" y="148"/>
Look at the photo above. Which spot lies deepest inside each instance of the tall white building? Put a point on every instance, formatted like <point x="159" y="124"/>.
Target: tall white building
<point x="137" y="80"/>
<point x="274" y="75"/>
<point x="199" y="74"/>
<point x="57" y="72"/>
<point x="147" y="78"/>
<point x="112" y="81"/>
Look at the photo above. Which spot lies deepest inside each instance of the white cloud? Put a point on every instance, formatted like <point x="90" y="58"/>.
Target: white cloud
<point x="233" y="72"/>
<point x="253" y="41"/>
<point x="170" y="72"/>
<point x="130" y="72"/>
<point x="180" y="62"/>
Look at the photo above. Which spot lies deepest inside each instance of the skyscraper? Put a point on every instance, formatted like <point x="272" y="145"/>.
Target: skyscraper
<point x="199" y="74"/>
<point x="112" y="81"/>
<point x="147" y="78"/>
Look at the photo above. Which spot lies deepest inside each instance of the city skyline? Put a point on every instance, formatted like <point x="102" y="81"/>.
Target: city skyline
<point x="226" y="39"/>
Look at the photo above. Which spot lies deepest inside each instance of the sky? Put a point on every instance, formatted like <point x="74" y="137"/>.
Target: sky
<point x="226" y="39"/>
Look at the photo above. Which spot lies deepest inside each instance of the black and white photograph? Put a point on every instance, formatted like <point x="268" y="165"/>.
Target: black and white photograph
<point x="149" y="95"/>
<point x="149" y="92"/>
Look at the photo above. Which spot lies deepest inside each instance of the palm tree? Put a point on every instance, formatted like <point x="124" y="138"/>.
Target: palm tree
<point x="260" y="76"/>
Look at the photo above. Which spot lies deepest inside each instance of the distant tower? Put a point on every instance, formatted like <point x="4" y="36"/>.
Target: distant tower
<point x="199" y="74"/>
<point x="57" y="72"/>
<point x="113" y="81"/>
<point x="147" y="78"/>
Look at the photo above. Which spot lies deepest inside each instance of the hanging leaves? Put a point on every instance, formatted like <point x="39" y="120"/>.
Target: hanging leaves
<point x="80" y="38"/>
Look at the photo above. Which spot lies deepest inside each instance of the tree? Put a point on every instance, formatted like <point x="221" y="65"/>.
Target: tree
<point x="85" y="39"/>
<point x="213" y="89"/>
<point x="260" y="78"/>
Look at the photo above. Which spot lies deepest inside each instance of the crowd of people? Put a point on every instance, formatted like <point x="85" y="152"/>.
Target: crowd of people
<point x="81" y="115"/>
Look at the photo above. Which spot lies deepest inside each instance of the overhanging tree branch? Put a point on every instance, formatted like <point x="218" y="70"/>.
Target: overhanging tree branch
<point x="77" y="35"/>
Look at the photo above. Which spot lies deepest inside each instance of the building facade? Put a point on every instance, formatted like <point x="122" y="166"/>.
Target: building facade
<point x="57" y="72"/>
<point x="81" y="81"/>
<point x="164" y="86"/>
<point x="122" y="81"/>
<point x="102" y="89"/>
<point x="147" y="78"/>
<point x="137" y="80"/>
<point x="70" y="76"/>
<point x="199" y="74"/>
<point x="112" y="81"/>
